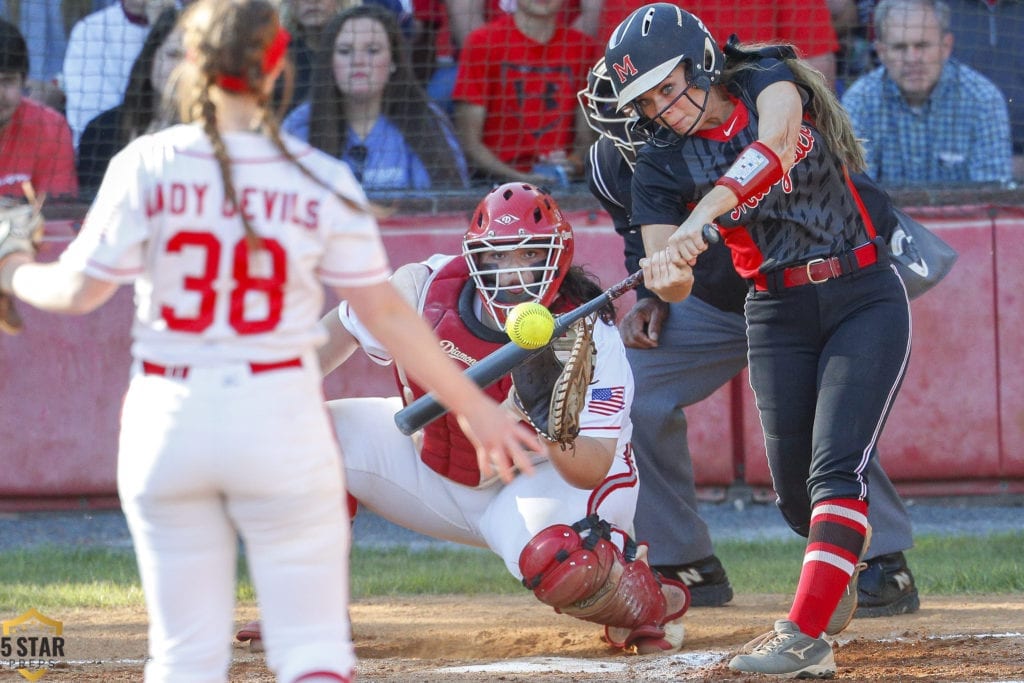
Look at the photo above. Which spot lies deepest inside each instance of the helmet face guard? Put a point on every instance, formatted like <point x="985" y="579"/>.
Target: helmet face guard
<point x="517" y="216"/>
<point x="647" y="46"/>
<point x="656" y="132"/>
<point x="600" y="107"/>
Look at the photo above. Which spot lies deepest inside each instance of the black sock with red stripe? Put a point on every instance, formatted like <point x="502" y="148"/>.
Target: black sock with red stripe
<point x="834" y="545"/>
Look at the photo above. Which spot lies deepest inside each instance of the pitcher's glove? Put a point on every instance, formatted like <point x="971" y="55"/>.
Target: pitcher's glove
<point x="550" y="389"/>
<point x="21" y="227"/>
<point x="10" y="319"/>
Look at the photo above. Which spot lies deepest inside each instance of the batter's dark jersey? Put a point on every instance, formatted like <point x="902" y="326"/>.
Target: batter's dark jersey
<point x="802" y="217"/>
<point x="609" y="176"/>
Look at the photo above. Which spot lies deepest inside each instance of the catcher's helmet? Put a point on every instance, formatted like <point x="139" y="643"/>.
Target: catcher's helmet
<point x="651" y="42"/>
<point x="515" y="216"/>
<point x="599" y="106"/>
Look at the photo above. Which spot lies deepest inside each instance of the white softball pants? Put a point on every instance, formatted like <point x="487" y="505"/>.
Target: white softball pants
<point x="384" y="472"/>
<point x="225" y="453"/>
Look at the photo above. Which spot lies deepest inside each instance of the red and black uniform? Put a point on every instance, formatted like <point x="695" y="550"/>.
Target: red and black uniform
<point x="826" y="359"/>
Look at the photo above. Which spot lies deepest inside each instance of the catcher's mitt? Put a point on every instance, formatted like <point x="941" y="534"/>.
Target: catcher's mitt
<point x="550" y="389"/>
<point x="21" y="227"/>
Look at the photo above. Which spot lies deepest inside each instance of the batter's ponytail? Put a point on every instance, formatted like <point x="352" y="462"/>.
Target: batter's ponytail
<point x="829" y="116"/>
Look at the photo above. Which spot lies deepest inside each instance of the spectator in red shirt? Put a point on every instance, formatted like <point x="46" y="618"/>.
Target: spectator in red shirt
<point x="515" y="96"/>
<point x="35" y="141"/>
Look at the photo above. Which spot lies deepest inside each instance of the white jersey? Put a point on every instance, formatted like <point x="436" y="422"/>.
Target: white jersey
<point x="161" y="220"/>
<point x="606" y="410"/>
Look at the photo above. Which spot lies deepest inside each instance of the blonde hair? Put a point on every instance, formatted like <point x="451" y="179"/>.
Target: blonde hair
<point x="829" y="116"/>
<point x="229" y="39"/>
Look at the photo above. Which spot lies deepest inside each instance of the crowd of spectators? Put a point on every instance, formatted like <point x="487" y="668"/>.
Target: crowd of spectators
<point x="428" y="95"/>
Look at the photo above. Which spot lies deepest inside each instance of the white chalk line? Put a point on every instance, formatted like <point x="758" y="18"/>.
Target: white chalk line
<point x="693" y="661"/>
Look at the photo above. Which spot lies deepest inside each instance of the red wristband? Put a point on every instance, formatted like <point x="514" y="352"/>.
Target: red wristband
<point x="755" y="170"/>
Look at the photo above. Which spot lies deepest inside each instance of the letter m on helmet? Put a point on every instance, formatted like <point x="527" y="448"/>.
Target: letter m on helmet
<point x="625" y="70"/>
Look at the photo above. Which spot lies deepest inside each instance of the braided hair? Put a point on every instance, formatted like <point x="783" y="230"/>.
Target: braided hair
<point x="234" y="45"/>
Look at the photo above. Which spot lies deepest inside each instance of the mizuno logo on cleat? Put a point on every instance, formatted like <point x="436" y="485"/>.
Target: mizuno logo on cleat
<point x="800" y="654"/>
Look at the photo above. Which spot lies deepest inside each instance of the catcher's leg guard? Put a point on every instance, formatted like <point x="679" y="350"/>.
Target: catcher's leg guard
<point x="587" y="577"/>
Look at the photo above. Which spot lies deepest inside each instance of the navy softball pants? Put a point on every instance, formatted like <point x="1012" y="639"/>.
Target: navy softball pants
<point x="826" y="363"/>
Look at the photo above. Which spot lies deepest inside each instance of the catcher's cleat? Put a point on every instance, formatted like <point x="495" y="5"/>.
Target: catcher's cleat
<point x="649" y="639"/>
<point x="709" y="586"/>
<point x="788" y="653"/>
<point x="886" y="588"/>
<point x="843" y="614"/>
<point x="251" y="634"/>
<point x="580" y="572"/>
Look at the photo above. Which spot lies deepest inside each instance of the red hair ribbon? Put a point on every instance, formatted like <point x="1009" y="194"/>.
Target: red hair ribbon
<point x="271" y="58"/>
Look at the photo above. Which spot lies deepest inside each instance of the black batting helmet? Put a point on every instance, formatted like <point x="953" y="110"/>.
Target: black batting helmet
<point x="651" y="42"/>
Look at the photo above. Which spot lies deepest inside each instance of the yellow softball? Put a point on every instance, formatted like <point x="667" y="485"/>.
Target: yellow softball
<point x="530" y="325"/>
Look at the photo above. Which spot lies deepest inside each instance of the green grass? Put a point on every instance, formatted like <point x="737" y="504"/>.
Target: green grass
<point x="941" y="565"/>
<point x="60" y="578"/>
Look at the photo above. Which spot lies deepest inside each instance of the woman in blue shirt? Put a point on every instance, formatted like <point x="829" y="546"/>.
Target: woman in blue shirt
<point x="367" y="108"/>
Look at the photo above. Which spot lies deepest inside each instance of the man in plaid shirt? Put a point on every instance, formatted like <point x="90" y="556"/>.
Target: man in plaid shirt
<point x="924" y="117"/>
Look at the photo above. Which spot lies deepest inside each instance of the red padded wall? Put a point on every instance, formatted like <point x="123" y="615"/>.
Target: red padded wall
<point x="943" y="434"/>
<point x="957" y="427"/>
<point x="1008" y="257"/>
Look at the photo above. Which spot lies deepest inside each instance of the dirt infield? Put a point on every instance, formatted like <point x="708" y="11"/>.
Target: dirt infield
<point x="456" y="639"/>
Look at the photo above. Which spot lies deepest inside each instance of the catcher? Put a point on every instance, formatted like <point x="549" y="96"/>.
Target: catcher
<point x="561" y="531"/>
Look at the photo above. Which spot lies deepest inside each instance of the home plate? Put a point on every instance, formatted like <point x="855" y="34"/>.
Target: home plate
<point x="570" y="665"/>
<point x="540" y="665"/>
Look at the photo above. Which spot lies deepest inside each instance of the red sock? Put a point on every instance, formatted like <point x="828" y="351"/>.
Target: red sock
<point x="834" y="545"/>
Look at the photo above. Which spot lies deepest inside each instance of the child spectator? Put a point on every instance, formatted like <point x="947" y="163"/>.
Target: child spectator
<point x="35" y="143"/>
<point x="140" y="111"/>
<point x="515" y="96"/>
<point x="367" y="108"/>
